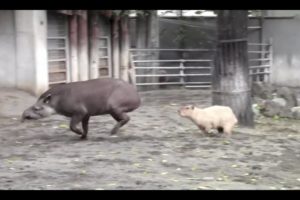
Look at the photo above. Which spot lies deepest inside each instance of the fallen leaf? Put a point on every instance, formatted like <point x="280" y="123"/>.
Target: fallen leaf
<point x="112" y="184"/>
<point x="99" y="189"/>
<point x="202" y="187"/>
<point x="63" y="126"/>
<point x="226" y="142"/>
<point x="208" y="178"/>
<point x="164" y="154"/>
<point x="220" y="179"/>
<point x="55" y="127"/>
<point x="83" y="172"/>
<point x="164" y="173"/>
<point x="253" y="179"/>
<point x="149" y="159"/>
<point x="272" y="188"/>
<point x="298" y="179"/>
<point x="137" y="164"/>
<point x="234" y="166"/>
<point x="178" y="169"/>
<point x="173" y="104"/>
<point x="164" y="161"/>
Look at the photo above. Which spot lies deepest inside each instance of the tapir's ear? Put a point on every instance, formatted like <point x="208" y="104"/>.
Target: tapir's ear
<point x="47" y="99"/>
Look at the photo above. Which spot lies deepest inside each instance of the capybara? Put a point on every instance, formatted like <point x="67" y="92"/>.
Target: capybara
<point x="217" y="117"/>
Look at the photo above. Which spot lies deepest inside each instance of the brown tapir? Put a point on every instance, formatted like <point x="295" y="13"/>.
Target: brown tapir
<point x="83" y="99"/>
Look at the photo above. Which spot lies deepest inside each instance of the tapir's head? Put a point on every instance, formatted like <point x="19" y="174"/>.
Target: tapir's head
<point x="41" y="109"/>
<point x="186" y="111"/>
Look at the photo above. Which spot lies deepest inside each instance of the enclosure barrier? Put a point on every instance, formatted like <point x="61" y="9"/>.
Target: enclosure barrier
<point x="155" y="72"/>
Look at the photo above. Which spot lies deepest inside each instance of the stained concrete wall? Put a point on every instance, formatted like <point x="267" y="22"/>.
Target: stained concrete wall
<point x="31" y="50"/>
<point x="286" y="47"/>
<point x="7" y="49"/>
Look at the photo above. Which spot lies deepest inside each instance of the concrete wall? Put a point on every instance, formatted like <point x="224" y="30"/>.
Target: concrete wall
<point x="7" y="49"/>
<point x="286" y="48"/>
<point x="31" y="54"/>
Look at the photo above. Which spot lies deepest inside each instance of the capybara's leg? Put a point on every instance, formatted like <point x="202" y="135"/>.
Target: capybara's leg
<point x="228" y="129"/>
<point x="121" y="118"/>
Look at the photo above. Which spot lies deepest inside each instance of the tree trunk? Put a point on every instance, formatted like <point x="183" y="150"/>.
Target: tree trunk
<point x="141" y="32"/>
<point x="83" y="47"/>
<point x="74" y="47"/>
<point x="115" y="47"/>
<point x="124" y="57"/>
<point x="94" y="45"/>
<point x="152" y="42"/>
<point x="231" y="73"/>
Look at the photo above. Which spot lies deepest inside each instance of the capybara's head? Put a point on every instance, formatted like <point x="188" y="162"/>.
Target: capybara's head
<point x="41" y="109"/>
<point x="186" y="111"/>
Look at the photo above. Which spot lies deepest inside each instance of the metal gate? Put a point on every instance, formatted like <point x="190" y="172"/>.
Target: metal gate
<point x="194" y="73"/>
<point x="105" y="57"/>
<point x="58" y="48"/>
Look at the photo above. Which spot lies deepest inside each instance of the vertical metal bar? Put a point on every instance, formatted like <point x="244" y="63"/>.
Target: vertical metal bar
<point x="73" y="31"/>
<point x="182" y="77"/>
<point x="270" y="59"/>
<point x="94" y="46"/>
<point x="68" y="68"/>
<point x="108" y="42"/>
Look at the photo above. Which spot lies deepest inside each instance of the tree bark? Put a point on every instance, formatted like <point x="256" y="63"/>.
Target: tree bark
<point x="152" y="42"/>
<point x="73" y="25"/>
<point x="124" y="56"/>
<point x="141" y="32"/>
<point x="231" y="73"/>
<point x="94" y="45"/>
<point x="83" y="47"/>
<point x="115" y="47"/>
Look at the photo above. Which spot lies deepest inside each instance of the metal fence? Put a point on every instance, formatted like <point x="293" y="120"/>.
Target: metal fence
<point x="193" y="73"/>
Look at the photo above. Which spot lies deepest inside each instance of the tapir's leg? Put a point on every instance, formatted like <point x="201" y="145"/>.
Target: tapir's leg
<point x="121" y="118"/>
<point x="75" y="120"/>
<point x="85" y="126"/>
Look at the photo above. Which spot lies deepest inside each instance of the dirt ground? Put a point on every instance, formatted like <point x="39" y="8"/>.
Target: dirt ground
<point x="156" y="150"/>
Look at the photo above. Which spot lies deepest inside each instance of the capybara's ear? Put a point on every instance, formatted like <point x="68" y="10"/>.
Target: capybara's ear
<point x="192" y="107"/>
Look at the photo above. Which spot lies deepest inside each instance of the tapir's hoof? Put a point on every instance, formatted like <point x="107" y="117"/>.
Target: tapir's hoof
<point x="83" y="137"/>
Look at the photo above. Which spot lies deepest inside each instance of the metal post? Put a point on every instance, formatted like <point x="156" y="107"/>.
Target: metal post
<point x="270" y="59"/>
<point x="182" y="79"/>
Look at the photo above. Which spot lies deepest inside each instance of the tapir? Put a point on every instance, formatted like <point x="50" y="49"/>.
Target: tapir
<point x="83" y="99"/>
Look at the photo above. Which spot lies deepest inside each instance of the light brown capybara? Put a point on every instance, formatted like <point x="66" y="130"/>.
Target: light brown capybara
<point x="217" y="117"/>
